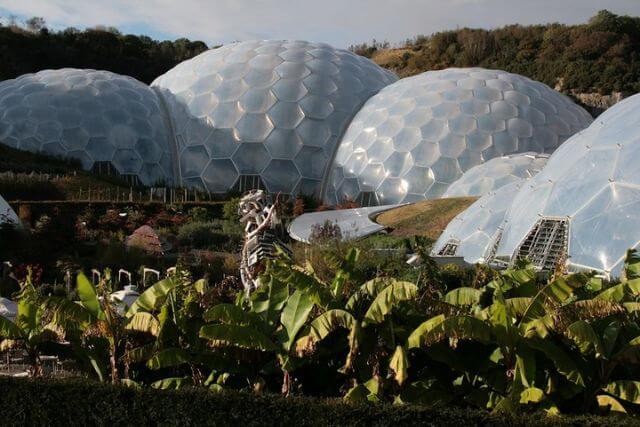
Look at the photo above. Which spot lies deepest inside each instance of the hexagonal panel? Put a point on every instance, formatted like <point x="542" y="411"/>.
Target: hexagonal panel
<point x="257" y="100"/>
<point x="127" y="161"/>
<point x="251" y="158"/>
<point x="310" y="161"/>
<point x="193" y="160"/>
<point x="286" y="115"/>
<point x="220" y="175"/>
<point x="253" y="128"/>
<point x="281" y="176"/>
<point x="283" y="143"/>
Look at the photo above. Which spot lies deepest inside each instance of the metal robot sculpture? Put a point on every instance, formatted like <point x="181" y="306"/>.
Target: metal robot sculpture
<point x="263" y="235"/>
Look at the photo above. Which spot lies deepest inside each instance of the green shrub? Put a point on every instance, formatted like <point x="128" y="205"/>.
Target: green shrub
<point x="82" y="402"/>
<point x="206" y="235"/>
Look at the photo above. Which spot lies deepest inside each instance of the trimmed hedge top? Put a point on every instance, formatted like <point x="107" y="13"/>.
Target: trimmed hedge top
<point x="82" y="402"/>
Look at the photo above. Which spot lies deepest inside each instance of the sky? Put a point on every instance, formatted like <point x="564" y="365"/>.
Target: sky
<point x="338" y="22"/>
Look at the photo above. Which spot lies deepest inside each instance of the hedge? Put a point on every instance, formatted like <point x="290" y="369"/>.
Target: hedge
<point x="83" y="402"/>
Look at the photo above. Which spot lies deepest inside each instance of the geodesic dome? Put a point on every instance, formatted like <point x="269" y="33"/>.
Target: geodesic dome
<point x="7" y="214"/>
<point x="474" y="233"/>
<point x="103" y="119"/>
<point x="585" y="203"/>
<point x="265" y="113"/>
<point x="496" y="173"/>
<point x="417" y="136"/>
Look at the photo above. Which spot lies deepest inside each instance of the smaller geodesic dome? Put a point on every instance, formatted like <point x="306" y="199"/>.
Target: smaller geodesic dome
<point x="583" y="208"/>
<point x="7" y="215"/>
<point x="417" y="136"/>
<point x="473" y="234"/>
<point x="112" y="124"/>
<point x="496" y="173"/>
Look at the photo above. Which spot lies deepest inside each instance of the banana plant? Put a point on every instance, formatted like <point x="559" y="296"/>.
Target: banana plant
<point x="29" y="331"/>
<point x="375" y="339"/>
<point x="173" y="312"/>
<point x="270" y="324"/>
<point x="95" y="328"/>
<point x="504" y="332"/>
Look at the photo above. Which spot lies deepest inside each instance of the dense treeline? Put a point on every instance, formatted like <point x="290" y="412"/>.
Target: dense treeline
<point x="601" y="56"/>
<point x="34" y="47"/>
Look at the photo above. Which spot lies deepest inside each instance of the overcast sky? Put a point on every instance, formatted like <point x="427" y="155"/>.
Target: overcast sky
<point x="339" y="22"/>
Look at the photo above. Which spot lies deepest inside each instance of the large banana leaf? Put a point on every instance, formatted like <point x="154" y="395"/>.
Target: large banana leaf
<point x="304" y="281"/>
<point x="28" y="318"/>
<point x="237" y="336"/>
<point x="610" y="403"/>
<point x="610" y="337"/>
<point x="152" y="298"/>
<point x="463" y="296"/>
<point x="89" y="297"/>
<point x="323" y="325"/>
<point x="564" y="363"/>
<point x="326" y="323"/>
<point x="366" y="392"/>
<point x="269" y="299"/>
<point x="625" y="389"/>
<point x="631" y="307"/>
<point x="630" y="352"/>
<point x="518" y="306"/>
<point x="294" y="316"/>
<point x="456" y="327"/>
<point x="388" y="298"/>
<point x="368" y="290"/>
<point x="632" y="265"/>
<point x="532" y="395"/>
<point x="167" y="358"/>
<point x="70" y="310"/>
<point x="502" y="321"/>
<point x="553" y="294"/>
<point x="230" y="314"/>
<point x="583" y="335"/>
<point x="526" y="367"/>
<point x="616" y="293"/>
<point x="143" y="322"/>
<point x="399" y="365"/>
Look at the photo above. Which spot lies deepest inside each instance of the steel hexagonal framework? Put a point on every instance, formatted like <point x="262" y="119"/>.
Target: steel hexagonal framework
<point x="93" y="116"/>
<point x="274" y="109"/>
<point x="427" y="130"/>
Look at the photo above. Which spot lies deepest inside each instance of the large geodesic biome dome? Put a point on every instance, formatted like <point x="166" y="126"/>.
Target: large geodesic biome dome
<point x="474" y="233"/>
<point x="111" y="123"/>
<point x="417" y="136"/>
<point x="585" y="204"/>
<point x="265" y="114"/>
<point x="496" y="173"/>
